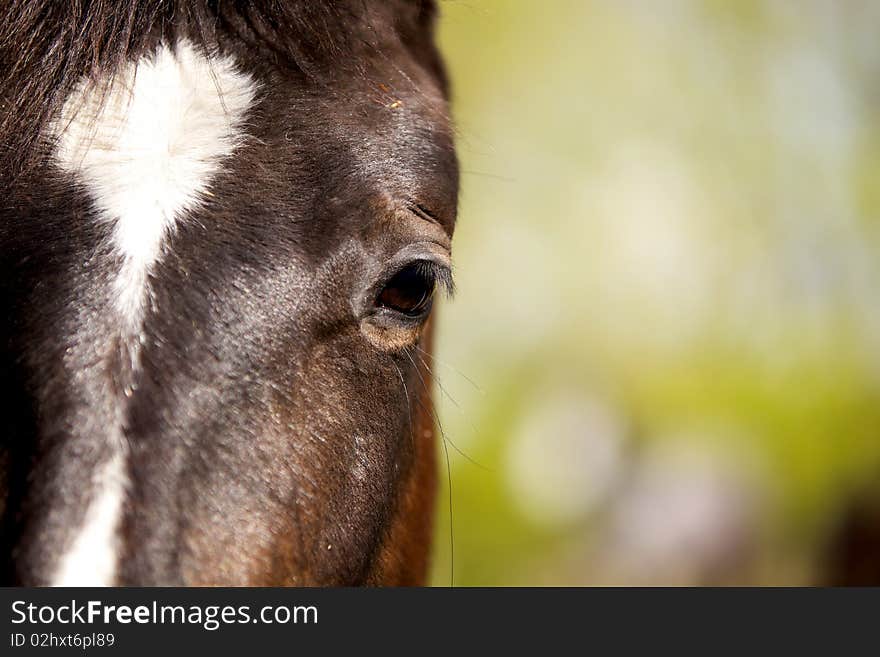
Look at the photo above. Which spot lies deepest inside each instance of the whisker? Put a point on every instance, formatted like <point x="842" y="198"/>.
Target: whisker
<point x="484" y="174"/>
<point x="437" y="418"/>
<point x="412" y="439"/>
<point x="440" y="361"/>
<point x="460" y="410"/>
<point x="432" y="413"/>
<point x="451" y="518"/>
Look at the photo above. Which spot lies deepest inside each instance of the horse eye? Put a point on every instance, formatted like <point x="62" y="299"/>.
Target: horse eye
<point x="410" y="290"/>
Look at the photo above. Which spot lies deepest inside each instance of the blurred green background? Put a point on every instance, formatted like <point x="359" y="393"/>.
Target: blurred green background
<point x="662" y="365"/>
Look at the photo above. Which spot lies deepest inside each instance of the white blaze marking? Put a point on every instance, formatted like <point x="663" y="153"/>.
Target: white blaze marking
<point x="91" y="559"/>
<point x="146" y="145"/>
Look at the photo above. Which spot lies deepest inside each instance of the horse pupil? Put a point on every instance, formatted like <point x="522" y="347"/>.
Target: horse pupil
<point x="408" y="291"/>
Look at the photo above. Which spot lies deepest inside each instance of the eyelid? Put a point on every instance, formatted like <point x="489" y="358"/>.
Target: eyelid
<point x="424" y="224"/>
<point x="424" y="213"/>
<point x="431" y="253"/>
<point x="428" y="249"/>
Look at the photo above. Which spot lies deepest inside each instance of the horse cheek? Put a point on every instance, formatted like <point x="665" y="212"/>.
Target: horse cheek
<point x="404" y="556"/>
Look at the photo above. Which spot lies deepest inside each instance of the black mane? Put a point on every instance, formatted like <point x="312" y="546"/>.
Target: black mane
<point x="47" y="46"/>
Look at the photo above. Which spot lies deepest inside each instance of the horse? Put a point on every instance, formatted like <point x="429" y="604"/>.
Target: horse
<point x="223" y="227"/>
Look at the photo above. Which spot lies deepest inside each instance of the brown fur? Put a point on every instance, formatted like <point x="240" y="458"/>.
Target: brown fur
<point x="278" y="430"/>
